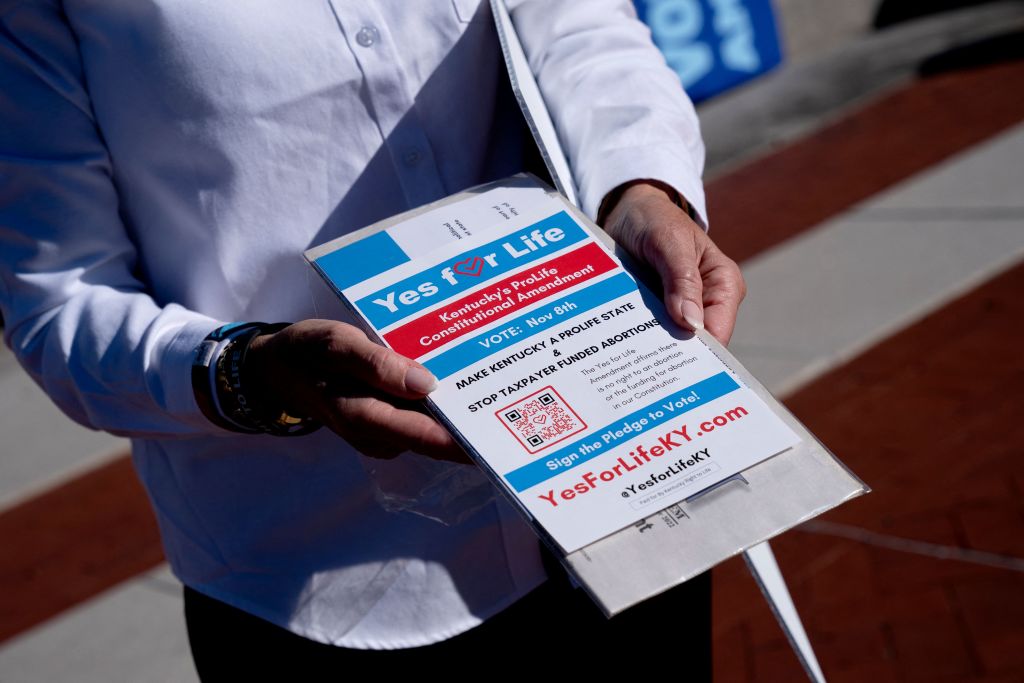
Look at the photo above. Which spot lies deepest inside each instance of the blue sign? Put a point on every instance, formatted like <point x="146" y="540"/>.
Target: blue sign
<point x="713" y="45"/>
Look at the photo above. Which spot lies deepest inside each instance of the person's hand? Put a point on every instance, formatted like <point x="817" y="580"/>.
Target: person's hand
<point x="702" y="286"/>
<point x="361" y="390"/>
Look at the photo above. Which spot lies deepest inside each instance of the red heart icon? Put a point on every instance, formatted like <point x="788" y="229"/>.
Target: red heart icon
<point x="540" y="419"/>
<point x="471" y="266"/>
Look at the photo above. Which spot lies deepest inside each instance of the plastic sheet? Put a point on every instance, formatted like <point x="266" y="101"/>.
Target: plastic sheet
<point x="446" y="492"/>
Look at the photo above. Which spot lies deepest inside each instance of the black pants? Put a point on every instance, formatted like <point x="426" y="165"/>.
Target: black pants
<point x="555" y="630"/>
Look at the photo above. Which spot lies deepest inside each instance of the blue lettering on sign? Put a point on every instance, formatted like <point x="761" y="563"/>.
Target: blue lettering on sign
<point x="713" y="44"/>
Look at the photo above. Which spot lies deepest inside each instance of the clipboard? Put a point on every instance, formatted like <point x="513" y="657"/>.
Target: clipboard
<point x="671" y="544"/>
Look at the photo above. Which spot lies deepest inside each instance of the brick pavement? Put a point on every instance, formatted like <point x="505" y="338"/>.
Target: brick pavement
<point x="931" y="419"/>
<point x="73" y="542"/>
<point x="771" y="199"/>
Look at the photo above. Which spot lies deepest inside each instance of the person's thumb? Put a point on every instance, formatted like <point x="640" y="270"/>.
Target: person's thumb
<point x="383" y="369"/>
<point x="677" y="263"/>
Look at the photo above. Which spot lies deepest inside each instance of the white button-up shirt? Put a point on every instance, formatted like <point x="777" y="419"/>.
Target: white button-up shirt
<point x="164" y="164"/>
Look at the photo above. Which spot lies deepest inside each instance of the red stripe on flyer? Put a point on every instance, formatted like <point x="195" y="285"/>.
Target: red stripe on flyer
<point x="499" y="299"/>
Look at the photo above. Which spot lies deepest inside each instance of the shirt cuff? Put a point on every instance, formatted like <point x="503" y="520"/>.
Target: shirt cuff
<point x="173" y="367"/>
<point x="616" y="167"/>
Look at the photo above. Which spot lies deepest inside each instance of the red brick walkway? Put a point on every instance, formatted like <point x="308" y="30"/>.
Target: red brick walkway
<point x="933" y="420"/>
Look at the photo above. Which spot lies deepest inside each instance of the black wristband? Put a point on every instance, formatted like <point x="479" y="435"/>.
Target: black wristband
<point x="234" y="403"/>
<point x="204" y="375"/>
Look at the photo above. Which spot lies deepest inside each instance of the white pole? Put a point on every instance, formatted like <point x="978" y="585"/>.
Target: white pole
<point x="765" y="569"/>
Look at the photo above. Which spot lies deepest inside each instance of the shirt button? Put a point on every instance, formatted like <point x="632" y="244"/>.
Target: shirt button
<point x="367" y="35"/>
<point x="412" y="157"/>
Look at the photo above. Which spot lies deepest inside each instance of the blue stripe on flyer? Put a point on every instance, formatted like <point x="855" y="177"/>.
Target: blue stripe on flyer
<point x="361" y="260"/>
<point x="538" y="471"/>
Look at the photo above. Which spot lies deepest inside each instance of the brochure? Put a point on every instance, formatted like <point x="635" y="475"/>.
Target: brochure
<point x="557" y="371"/>
<point x="563" y="376"/>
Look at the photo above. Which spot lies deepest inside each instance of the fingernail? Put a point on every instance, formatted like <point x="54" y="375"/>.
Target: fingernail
<point x="692" y="314"/>
<point x="419" y="380"/>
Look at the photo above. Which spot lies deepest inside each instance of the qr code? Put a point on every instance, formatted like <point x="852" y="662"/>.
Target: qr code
<point x="541" y="419"/>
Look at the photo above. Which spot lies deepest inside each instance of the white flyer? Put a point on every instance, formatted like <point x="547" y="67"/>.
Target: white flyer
<point x="558" y="372"/>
